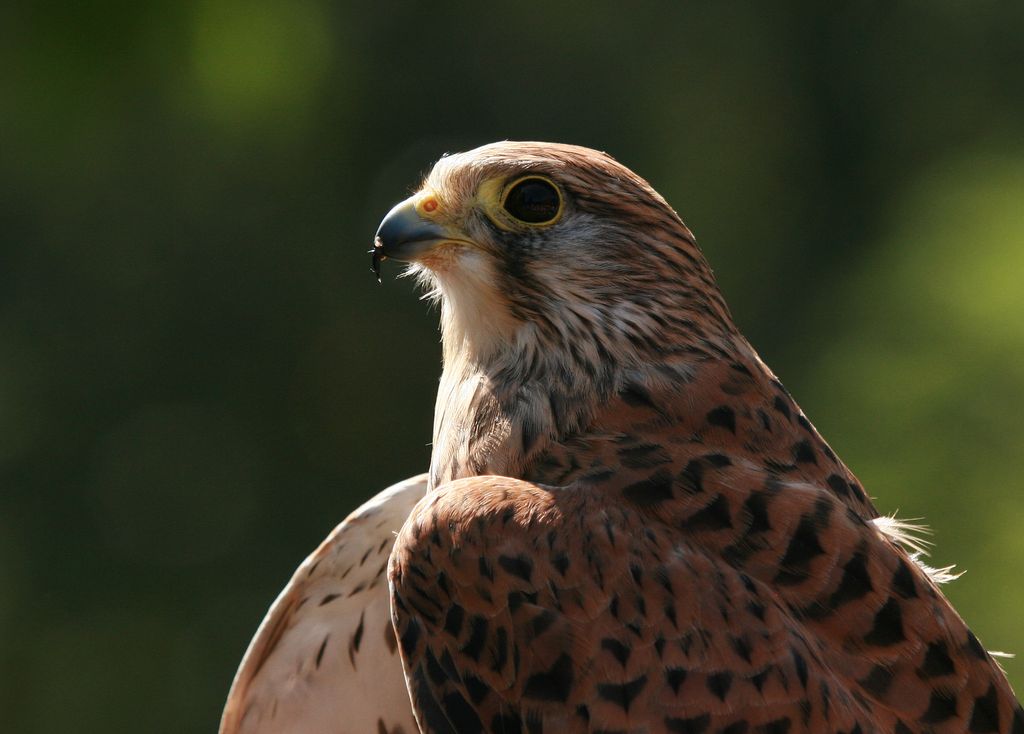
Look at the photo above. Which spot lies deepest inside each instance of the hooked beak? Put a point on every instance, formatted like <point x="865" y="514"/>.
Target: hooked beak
<point x="405" y="234"/>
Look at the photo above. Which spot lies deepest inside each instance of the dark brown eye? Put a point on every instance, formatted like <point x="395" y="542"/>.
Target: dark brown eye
<point x="534" y="201"/>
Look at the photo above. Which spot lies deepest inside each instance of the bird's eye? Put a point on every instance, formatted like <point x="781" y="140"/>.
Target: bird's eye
<point x="533" y="200"/>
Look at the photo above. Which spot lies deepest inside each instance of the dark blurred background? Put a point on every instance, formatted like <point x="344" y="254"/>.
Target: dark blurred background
<point x="199" y="376"/>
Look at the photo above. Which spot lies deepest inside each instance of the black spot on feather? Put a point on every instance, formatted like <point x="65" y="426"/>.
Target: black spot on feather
<point x="519" y="566"/>
<point x="985" y="714"/>
<point x="650" y="491"/>
<point x="555" y="684"/>
<point x="888" y="625"/>
<point x="855" y="583"/>
<point x="803" y="547"/>
<point x="453" y="620"/>
<point x="622" y="694"/>
<point x="941" y="707"/>
<point x="619" y="650"/>
<point x="694" y="725"/>
<point x="320" y="651"/>
<point x="803" y="452"/>
<point x="903" y="581"/>
<point x="675" y="677"/>
<point x="878" y="681"/>
<point x="719" y="684"/>
<point x="937" y="661"/>
<point x="713" y="516"/>
<point x="637" y="396"/>
<point x="477" y="636"/>
<point x="644" y="456"/>
<point x="723" y="416"/>
<point x="838" y="485"/>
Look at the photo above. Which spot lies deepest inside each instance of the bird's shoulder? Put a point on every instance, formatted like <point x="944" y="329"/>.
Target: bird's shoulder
<point x="590" y="609"/>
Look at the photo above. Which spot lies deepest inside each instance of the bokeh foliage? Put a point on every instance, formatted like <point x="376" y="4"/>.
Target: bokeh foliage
<point x="199" y="377"/>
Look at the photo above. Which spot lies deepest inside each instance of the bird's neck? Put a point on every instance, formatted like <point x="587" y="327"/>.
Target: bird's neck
<point x="543" y="421"/>
<point x="497" y="417"/>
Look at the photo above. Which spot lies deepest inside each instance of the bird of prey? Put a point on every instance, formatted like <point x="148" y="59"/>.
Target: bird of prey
<point x="629" y="525"/>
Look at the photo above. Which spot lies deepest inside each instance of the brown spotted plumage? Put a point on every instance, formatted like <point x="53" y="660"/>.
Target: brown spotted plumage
<point x="632" y="526"/>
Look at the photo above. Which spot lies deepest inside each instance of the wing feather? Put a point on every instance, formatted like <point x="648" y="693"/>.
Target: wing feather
<point x="324" y="659"/>
<point x="517" y="602"/>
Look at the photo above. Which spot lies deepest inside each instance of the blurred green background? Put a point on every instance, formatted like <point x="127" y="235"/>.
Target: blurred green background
<point x="199" y="376"/>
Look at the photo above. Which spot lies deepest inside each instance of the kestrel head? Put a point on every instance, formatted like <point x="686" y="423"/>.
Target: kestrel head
<point x="529" y="242"/>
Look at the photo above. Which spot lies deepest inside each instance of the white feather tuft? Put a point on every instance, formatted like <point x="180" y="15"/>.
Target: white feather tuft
<point x="907" y="533"/>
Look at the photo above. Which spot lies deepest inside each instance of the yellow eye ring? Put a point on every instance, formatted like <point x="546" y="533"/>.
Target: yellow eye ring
<point x="533" y="200"/>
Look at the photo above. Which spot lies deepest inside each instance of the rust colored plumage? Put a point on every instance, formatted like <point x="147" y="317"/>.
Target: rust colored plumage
<point x="630" y="525"/>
